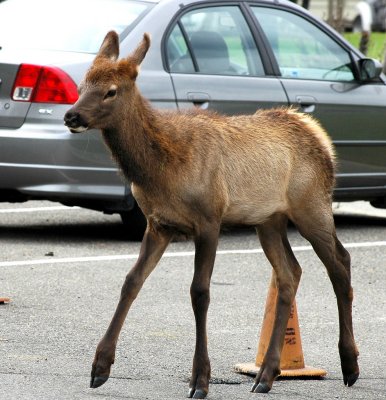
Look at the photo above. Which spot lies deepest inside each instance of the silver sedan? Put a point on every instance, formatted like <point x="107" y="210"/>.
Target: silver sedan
<point x="230" y="56"/>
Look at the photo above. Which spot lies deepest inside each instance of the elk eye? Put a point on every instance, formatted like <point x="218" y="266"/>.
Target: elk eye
<point x="111" y="93"/>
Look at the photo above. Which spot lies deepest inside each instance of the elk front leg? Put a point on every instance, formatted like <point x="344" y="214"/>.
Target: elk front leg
<point x="153" y="246"/>
<point x="206" y="245"/>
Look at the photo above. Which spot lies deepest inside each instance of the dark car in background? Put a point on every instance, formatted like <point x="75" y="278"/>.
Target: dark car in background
<point x="370" y="16"/>
<point x="230" y="56"/>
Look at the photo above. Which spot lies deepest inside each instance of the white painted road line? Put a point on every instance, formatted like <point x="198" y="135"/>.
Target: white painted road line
<point x="65" y="260"/>
<point x="36" y="209"/>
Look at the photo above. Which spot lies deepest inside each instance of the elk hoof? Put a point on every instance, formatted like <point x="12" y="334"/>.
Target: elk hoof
<point x="196" y="394"/>
<point x="260" y="388"/>
<point x="349" y="380"/>
<point x="97" y="381"/>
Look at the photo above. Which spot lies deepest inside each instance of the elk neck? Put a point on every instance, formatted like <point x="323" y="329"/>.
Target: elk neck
<point x="140" y="141"/>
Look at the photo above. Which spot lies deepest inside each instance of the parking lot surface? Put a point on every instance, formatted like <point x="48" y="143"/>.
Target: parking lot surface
<point x="63" y="269"/>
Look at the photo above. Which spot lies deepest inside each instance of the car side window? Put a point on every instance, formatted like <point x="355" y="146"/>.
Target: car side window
<point x="213" y="40"/>
<point x="302" y="50"/>
<point x="178" y="54"/>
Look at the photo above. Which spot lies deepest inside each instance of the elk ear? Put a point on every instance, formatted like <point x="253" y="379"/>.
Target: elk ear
<point x="110" y="47"/>
<point x="139" y="53"/>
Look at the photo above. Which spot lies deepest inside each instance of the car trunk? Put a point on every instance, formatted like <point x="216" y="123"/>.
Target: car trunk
<point x="14" y="113"/>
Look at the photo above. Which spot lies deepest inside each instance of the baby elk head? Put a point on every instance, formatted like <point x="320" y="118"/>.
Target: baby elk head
<point x="107" y="87"/>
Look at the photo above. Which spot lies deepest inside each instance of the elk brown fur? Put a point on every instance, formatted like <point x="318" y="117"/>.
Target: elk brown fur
<point x="193" y="171"/>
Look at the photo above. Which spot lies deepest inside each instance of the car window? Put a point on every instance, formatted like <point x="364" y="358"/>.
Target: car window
<point x="302" y="50"/>
<point x="213" y="40"/>
<point x="71" y="25"/>
<point x="179" y="57"/>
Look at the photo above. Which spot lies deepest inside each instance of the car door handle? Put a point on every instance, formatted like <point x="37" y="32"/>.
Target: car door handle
<point x="199" y="99"/>
<point x="306" y="103"/>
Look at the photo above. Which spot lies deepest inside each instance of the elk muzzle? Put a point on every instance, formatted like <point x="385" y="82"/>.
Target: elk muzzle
<point x="75" y="122"/>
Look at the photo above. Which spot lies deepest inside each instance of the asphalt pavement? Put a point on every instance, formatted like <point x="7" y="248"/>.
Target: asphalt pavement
<point x="63" y="269"/>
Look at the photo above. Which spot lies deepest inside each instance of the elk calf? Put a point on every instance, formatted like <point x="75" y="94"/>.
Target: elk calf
<point x="192" y="171"/>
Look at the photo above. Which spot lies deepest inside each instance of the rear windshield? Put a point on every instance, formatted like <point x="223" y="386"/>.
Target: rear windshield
<point x="65" y="25"/>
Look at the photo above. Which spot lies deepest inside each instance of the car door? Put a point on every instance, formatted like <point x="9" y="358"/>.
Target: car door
<point x="214" y="62"/>
<point x="319" y="77"/>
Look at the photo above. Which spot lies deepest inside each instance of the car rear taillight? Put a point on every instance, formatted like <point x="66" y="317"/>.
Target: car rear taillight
<point x="40" y="84"/>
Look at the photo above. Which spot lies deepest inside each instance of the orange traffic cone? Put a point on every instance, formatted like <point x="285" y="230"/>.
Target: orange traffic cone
<point x="292" y="359"/>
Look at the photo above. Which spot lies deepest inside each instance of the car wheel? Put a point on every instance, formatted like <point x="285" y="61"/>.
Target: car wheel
<point x="135" y="223"/>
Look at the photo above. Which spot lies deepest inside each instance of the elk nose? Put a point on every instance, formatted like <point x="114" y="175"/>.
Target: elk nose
<point x="72" y="119"/>
<point x="75" y="122"/>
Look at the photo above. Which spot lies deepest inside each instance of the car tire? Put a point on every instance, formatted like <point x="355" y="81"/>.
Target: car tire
<point x="135" y="223"/>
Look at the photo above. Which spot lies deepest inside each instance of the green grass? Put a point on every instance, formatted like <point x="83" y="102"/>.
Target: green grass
<point x="376" y="47"/>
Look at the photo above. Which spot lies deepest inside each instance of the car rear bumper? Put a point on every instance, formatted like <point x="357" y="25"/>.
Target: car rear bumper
<point x="49" y="162"/>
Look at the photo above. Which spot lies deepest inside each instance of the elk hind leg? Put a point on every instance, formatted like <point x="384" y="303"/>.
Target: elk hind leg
<point x="317" y="226"/>
<point x="273" y="238"/>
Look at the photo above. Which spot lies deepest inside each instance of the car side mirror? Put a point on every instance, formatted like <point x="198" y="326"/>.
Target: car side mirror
<point x="369" y="69"/>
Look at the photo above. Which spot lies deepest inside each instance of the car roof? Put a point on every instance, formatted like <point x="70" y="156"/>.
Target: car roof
<point x="287" y="3"/>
